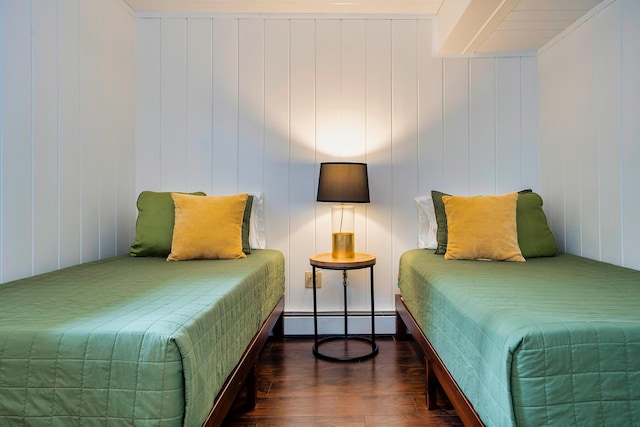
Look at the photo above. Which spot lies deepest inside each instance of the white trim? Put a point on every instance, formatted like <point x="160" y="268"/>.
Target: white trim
<point x="333" y="324"/>
<point x="342" y="17"/>
<point x="126" y="7"/>
<point x="578" y="22"/>
<point x="304" y="16"/>
<point x="506" y="54"/>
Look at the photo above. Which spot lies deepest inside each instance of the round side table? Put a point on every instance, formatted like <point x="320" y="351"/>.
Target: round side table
<point x="327" y="262"/>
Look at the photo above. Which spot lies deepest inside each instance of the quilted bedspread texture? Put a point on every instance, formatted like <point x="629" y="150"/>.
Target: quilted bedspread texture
<point x="129" y="341"/>
<point x="553" y="341"/>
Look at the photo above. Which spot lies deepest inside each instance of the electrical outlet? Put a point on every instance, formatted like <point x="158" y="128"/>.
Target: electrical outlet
<point x="308" y="279"/>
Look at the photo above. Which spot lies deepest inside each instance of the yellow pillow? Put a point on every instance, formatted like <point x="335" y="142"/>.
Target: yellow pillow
<point x="482" y="227"/>
<point x="207" y="227"/>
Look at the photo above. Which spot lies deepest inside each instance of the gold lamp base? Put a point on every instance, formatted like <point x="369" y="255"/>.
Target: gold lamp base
<point x="342" y="245"/>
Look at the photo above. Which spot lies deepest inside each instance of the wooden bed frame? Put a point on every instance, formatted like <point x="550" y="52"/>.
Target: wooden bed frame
<point x="437" y="374"/>
<point x="244" y="373"/>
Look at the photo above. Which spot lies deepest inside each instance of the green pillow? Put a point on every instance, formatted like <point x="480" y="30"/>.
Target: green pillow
<point x="246" y="220"/>
<point x="534" y="236"/>
<point x="441" y="219"/>
<point x="537" y="239"/>
<point x="154" y="226"/>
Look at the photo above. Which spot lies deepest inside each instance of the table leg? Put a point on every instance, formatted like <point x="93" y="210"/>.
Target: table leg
<point x="315" y="308"/>
<point x="345" y="283"/>
<point x="373" y="314"/>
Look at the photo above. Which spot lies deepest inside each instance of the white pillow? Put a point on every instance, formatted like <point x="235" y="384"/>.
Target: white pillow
<point x="427" y="225"/>
<point x="257" y="237"/>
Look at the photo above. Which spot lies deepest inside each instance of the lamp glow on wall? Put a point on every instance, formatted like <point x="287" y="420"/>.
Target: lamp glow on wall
<point x="343" y="182"/>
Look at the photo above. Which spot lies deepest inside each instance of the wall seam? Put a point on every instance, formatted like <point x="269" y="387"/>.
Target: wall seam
<point x="31" y="46"/>
<point x="2" y="38"/>
<point x="58" y="106"/>
<point x="522" y="169"/>
<point x="186" y="104"/>
<point x="80" y="145"/>
<point x="213" y="103"/>
<point x="237" y="95"/>
<point x="621" y="140"/>
<point x="160" y="133"/>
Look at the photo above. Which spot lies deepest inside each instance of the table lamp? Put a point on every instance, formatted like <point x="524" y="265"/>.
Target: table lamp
<point x="343" y="182"/>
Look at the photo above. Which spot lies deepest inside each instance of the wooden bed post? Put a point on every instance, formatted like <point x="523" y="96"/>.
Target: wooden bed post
<point x="437" y="375"/>
<point x="401" y="329"/>
<point x="251" y="384"/>
<point x="278" y="328"/>
<point x="431" y="386"/>
<point x="244" y="374"/>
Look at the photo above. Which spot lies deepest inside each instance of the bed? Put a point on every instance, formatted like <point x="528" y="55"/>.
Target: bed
<point x="515" y="333"/>
<point x="550" y="341"/>
<point x="139" y="340"/>
<point x="134" y="341"/>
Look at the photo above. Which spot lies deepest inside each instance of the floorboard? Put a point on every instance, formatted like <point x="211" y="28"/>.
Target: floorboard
<point x="296" y="389"/>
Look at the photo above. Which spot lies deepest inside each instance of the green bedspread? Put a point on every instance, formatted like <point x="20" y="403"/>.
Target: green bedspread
<point x="129" y="341"/>
<point x="553" y="341"/>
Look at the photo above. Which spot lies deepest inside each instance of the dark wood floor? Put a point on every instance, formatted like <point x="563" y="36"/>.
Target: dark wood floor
<point x="296" y="389"/>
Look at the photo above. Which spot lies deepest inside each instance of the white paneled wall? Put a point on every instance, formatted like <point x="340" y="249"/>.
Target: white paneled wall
<point x="590" y="135"/>
<point x="229" y="104"/>
<point x="66" y="133"/>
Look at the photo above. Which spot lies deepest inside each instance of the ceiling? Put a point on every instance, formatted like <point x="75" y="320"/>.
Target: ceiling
<point x="464" y="26"/>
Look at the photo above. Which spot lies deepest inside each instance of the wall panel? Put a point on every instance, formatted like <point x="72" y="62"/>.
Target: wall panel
<point x="89" y="116"/>
<point x="149" y="106"/>
<point x="173" y="110"/>
<point x="482" y="126"/>
<point x="70" y="200"/>
<point x="251" y="106"/>
<point x="302" y="136"/>
<point x="107" y="125"/>
<point x="67" y="133"/>
<point x="199" y="108"/>
<point x="529" y="123"/>
<point x="404" y="138"/>
<point x="588" y="143"/>
<point x="278" y="147"/>
<point x="379" y="149"/>
<point x="508" y="126"/>
<point x="456" y="126"/>
<point x="609" y="113"/>
<point x="630" y="132"/>
<point x="225" y="106"/>
<point x="16" y="188"/>
<point x="586" y="148"/>
<point x="124" y="125"/>
<point x="430" y="113"/>
<point x="45" y="135"/>
<point x="353" y="95"/>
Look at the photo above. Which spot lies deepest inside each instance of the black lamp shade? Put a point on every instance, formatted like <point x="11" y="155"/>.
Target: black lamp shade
<point x="343" y="183"/>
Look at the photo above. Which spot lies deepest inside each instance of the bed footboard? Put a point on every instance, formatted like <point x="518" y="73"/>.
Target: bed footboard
<point x="436" y="373"/>
<point x="244" y="373"/>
